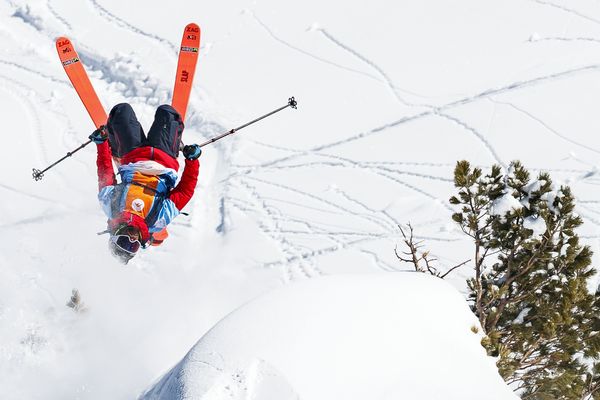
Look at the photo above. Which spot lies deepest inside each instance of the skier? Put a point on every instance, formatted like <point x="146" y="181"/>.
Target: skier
<point x="147" y="199"/>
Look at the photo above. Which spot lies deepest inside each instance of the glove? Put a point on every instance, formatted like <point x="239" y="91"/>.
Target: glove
<point x="99" y="136"/>
<point x="192" y="151"/>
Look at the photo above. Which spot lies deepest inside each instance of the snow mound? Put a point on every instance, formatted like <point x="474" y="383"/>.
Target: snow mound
<point x="395" y="335"/>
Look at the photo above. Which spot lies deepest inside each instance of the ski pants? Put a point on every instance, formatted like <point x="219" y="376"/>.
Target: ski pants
<point x="125" y="133"/>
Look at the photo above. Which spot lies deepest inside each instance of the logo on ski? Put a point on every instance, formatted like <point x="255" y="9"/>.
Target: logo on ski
<point x="189" y="49"/>
<point x="192" y="29"/>
<point x="184" y="76"/>
<point x="191" y="37"/>
<point x="63" y="43"/>
<point x="71" y="61"/>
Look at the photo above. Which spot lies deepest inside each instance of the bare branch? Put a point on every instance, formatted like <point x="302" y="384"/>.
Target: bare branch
<point x="421" y="260"/>
<point x="455" y="267"/>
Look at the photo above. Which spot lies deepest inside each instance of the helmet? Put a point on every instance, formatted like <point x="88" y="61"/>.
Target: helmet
<point x="124" y="243"/>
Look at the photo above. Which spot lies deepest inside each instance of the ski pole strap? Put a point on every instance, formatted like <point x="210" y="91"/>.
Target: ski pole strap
<point x="38" y="175"/>
<point x="291" y="103"/>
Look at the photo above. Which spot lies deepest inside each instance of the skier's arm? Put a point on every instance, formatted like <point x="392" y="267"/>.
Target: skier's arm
<point x="184" y="191"/>
<point x="106" y="175"/>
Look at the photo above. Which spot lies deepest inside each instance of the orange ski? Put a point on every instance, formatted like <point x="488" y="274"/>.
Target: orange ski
<point x="186" y="66"/>
<point x="80" y="80"/>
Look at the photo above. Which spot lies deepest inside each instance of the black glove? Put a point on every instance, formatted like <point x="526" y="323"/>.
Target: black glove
<point x="99" y="136"/>
<point x="192" y="151"/>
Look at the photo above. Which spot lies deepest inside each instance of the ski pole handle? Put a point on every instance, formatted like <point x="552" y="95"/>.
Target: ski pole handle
<point x="291" y="103"/>
<point x="38" y="175"/>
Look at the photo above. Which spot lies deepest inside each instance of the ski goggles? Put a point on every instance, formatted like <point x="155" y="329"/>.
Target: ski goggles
<point x="125" y="243"/>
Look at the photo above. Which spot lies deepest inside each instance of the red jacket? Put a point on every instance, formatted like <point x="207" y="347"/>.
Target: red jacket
<point x="180" y="195"/>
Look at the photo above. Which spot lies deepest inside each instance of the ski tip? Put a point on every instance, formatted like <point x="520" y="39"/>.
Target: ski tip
<point x="192" y="28"/>
<point x="61" y="39"/>
<point x="65" y="50"/>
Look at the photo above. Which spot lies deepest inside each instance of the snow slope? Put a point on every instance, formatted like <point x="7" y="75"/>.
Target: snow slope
<point x="390" y="95"/>
<point x="380" y="336"/>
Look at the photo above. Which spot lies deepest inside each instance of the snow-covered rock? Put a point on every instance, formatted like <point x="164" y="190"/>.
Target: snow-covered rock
<point x="375" y="336"/>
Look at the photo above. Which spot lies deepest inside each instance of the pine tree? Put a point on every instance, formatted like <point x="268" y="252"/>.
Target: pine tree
<point x="530" y="286"/>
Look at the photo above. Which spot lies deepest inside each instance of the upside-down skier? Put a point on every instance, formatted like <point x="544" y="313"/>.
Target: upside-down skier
<point x="147" y="199"/>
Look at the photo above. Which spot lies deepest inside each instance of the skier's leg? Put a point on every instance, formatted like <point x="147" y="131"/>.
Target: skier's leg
<point x="124" y="130"/>
<point x="165" y="132"/>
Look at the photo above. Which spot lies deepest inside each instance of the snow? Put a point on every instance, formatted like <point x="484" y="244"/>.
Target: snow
<point x="390" y="95"/>
<point x="505" y="204"/>
<point x="536" y="224"/>
<point x="378" y="336"/>
<point x="522" y="315"/>
<point x="550" y="198"/>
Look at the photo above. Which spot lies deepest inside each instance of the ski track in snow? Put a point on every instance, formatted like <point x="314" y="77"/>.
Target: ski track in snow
<point x="291" y="253"/>
<point x="34" y="118"/>
<point x="389" y="83"/>
<point x="334" y="205"/>
<point x="416" y="189"/>
<point x="342" y="240"/>
<point x="379" y="262"/>
<point x="548" y="128"/>
<point x="343" y="162"/>
<point x="566" y="39"/>
<point x="47" y="77"/>
<point x="314" y="254"/>
<point x="386" y="222"/>
<point x="278" y="231"/>
<point x="587" y="217"/>
<point x="24" y="94"/>
<point x="376" y="167"/>
<point x="58" y="17"/>
<point x="587" y="208"/>
<point x="63" y="82"/>
<point x="306" y="53"/>
<point x="27" y="194"/>
<point x="567" y="10"/>
<point x="339" y="238"/>
<point x="46" y="215"/>
<point x="518" y="85"/>
<point x="383" y="77"/>
<point x="477" y="134"/>
<point x="113" y="19"/>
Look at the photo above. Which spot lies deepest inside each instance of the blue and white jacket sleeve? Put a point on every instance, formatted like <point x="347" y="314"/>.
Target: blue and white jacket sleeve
<point x="105" y="198"/>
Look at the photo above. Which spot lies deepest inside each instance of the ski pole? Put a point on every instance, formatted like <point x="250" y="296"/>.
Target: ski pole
<point x="38" y="175"/>
<point x="291" y="103"/>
